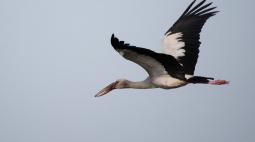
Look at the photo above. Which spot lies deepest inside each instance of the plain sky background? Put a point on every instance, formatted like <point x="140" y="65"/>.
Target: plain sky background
<point x="56" y="54"/>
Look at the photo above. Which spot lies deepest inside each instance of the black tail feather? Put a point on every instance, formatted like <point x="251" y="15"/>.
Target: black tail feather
<point x="199" y="79"/>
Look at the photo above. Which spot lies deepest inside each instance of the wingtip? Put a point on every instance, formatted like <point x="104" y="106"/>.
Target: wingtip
<point x="113" y="35"/>
<point x="113" y="38"/>
<point x="114" y="41"/>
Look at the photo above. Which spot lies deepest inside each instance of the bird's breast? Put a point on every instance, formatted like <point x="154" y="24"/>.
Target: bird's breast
<point x="167" y="82"/>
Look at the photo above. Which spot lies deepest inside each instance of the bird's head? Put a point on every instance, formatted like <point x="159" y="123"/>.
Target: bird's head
<point x="118" y="84"/>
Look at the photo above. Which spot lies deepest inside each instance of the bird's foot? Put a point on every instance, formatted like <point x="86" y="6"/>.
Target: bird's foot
<point x="218" y="82"/>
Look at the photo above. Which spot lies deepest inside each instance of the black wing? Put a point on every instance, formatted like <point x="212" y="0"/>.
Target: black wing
<point x="154" y="63"/>
<point x="182" y="39"/>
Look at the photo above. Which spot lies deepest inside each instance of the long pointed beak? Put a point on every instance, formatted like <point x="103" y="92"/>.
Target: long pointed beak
<point x="106" y="90"/>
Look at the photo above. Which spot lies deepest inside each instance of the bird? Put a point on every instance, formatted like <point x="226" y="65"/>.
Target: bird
<point x="174" y="67"/>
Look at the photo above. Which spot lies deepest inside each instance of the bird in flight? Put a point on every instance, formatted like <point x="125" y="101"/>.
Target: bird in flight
<point x="175" y="66"/>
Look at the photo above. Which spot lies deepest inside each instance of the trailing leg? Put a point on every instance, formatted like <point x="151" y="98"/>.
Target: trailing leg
<point x="206" y="80"/>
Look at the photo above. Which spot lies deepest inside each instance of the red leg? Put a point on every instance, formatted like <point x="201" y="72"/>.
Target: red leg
<point x="218" y="82"/>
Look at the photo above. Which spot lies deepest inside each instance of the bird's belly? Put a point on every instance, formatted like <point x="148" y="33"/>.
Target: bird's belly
<point x="168" y="82"/>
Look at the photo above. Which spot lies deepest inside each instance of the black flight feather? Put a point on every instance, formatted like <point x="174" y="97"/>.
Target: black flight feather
<point x="190" y="25"/>
<point x="170" y="64"/>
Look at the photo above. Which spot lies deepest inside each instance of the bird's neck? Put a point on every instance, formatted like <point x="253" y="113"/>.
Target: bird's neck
<point x="146" y="84"/>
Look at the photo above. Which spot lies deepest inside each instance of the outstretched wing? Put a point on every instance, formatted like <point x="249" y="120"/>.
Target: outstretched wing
<point x="182" y="39"/>
<point x="154" y="63"/>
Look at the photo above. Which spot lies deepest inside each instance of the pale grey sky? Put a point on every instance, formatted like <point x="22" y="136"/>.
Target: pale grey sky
<point x="56" y="54"/>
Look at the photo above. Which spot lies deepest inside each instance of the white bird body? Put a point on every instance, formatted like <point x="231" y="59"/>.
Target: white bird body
<point x="167" y="82"/>
<point x="176" y="65"/>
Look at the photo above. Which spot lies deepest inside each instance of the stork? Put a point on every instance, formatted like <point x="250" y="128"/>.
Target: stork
<point x="175" y="66"/>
